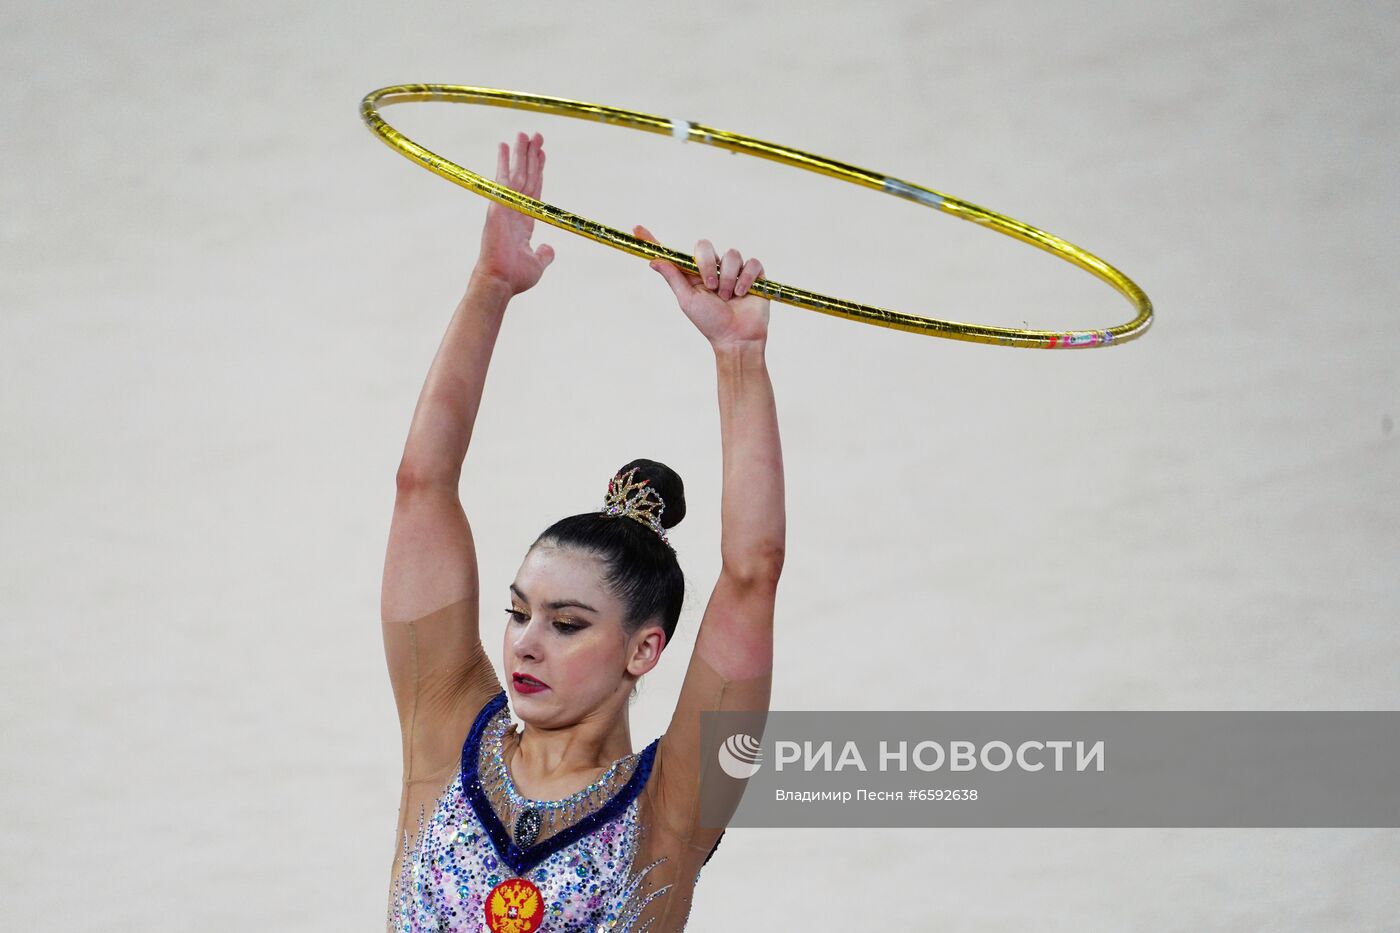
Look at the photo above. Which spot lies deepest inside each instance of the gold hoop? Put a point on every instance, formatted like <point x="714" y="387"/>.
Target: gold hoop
<point x="734" y="142"/>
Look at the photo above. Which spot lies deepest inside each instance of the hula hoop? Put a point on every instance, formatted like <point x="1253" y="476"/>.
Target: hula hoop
<point x="734" y="142"/>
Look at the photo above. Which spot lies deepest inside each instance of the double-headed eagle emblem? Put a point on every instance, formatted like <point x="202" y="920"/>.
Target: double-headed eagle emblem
<point x="514" y="906"/>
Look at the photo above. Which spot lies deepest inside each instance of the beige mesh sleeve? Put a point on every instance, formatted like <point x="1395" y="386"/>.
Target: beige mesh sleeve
<point x="681" y="768"/>
<point x="441" y="678"/>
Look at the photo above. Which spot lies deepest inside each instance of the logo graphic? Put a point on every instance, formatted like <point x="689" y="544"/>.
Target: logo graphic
<point x="740" y="756"/>
<point x="514" y="906"/>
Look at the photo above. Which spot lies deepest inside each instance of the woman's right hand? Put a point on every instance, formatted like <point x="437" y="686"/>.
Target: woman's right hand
<point x="506" y="255"/>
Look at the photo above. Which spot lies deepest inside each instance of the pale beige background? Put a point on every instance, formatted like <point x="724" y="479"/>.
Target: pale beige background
<point x="221" y="294"/>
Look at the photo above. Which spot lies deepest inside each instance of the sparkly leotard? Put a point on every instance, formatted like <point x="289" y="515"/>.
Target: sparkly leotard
<point x="622" y="854"/>
<point x="586" y="873"/>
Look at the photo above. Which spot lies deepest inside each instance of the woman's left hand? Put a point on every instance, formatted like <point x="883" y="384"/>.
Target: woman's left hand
<point x="720" y="305"/>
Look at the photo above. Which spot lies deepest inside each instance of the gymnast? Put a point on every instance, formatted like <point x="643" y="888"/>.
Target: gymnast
<point x="556" y="824"/>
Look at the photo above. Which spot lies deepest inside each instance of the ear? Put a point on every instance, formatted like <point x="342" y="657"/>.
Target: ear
<point x="645" y="649"/>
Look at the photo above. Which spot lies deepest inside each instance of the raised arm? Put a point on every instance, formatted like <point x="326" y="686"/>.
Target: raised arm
<point x="429" y="599"/>
<point x="732" y="664"/>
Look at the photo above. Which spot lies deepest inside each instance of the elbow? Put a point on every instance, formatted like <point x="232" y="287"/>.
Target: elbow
<point x="759" y="566"/>
<point x="411" y="476"/>
<point x="406" y="477"/>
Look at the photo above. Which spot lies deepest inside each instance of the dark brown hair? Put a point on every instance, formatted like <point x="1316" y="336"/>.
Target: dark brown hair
<point x="641" y="569"/>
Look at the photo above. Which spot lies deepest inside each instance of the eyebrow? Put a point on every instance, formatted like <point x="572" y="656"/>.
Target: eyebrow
<point x="557" y="604"/>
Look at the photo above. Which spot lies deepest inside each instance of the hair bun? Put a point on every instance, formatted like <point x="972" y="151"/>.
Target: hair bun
<point x="668" y="485"/>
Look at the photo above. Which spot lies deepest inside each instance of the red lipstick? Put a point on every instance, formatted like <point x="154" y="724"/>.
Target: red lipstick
<point x="524" y="683"/>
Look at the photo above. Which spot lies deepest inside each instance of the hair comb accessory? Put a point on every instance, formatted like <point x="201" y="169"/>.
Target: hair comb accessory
<point x="636" y="500"/>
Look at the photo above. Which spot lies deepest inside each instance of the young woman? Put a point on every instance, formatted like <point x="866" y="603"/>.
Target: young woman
<point x="561" y="826"/>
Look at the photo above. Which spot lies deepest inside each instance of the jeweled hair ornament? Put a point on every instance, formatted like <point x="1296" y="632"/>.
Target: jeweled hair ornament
<point x="636" y="500"/>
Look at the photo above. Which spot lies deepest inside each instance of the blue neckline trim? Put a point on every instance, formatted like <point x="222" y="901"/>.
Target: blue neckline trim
<point x="522" y="860"/>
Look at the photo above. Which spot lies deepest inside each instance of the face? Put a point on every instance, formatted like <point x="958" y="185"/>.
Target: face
<point x="564" y="628"/>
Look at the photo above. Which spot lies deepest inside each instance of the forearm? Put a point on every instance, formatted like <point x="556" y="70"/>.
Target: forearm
<point x="446" y="411"/>
<point x="753" y="514"/>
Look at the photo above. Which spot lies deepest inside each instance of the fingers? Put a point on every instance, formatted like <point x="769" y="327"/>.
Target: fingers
<point x="705" y="260"/>
<point x="514" y="180"/>
<point x="729" y="265"/>
<point x="535" y="171"/>
<point x="735" y="277"/>
<point x="753" y="270"/>
<point x="525" y="171"/>
<point x="678" y="280"/>
<point x="545" y="254"/>
<point x="522" y="151"/>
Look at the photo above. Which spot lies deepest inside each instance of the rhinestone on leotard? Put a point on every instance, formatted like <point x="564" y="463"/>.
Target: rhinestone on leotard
<point x="527" y="827"/>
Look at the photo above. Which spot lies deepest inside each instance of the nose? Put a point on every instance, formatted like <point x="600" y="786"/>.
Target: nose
<point x="526" y="641"/>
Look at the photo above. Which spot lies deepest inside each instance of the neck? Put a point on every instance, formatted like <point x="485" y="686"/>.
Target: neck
<point x="573" y="754"/>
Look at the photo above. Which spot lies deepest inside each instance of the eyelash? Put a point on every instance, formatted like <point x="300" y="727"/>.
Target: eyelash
<point x="566" y="628"/>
